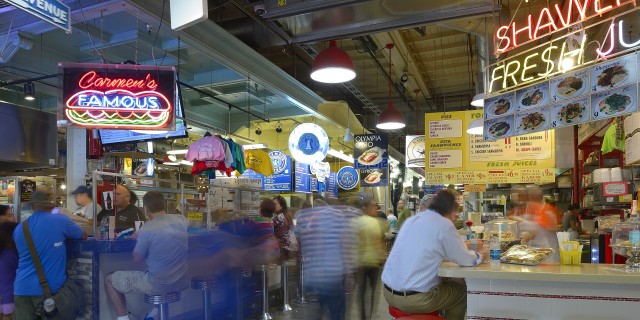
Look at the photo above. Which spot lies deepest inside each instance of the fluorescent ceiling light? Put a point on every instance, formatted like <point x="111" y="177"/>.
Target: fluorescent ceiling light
<point x="185" y="162"/>
<point x="340" y="155"/>
<point x="254" y="146"/>
<point x="478" y="100"/>
<point x="183" y="151"/>
<point x="476" y="127"/>
<point x="149" y="146"/>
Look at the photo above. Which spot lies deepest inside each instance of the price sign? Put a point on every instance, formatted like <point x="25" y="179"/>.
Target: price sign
<point x="475" y="187"/>
<point x="613" y="189"/>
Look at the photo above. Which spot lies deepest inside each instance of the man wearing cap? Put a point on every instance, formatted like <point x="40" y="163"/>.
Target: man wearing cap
<point x="85" y="203"/>
<point x="49" y="232"/>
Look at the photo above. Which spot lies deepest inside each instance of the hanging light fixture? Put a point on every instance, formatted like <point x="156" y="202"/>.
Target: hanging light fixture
<point x="476" y="126"/>
<point x="348" y="136"/>
<point x="333" y="65"/>
<point x="390" y="119"/>
<point x="478" y="100"/>
<point x="29" y="91"/>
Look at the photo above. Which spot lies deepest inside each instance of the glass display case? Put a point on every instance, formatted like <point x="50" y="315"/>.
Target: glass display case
<point x="625" y="240"/>
<point x="506" y="230"/>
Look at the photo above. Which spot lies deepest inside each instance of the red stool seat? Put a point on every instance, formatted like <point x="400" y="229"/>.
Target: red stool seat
<point x="396" y="313"/>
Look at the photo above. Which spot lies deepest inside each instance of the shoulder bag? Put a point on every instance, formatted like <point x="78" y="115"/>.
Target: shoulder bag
<point x="70" y="300"/>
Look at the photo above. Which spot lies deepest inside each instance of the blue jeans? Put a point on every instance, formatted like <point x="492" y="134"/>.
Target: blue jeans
<point x="331" y="297"/>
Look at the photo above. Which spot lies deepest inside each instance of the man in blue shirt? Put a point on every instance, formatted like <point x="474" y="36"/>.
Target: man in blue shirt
<point x="49" y="232"/>
<point x="163" y="243"/>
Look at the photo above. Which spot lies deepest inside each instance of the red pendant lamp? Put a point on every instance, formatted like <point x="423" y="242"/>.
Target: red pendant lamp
<point x="333" y="65"/>
<point x="390" y="119"/>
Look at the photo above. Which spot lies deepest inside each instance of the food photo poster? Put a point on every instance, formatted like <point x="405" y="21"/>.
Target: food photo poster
<point x="371" y="151"/>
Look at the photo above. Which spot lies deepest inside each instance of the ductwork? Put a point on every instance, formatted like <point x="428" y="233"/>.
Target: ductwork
<point x="11" y="43"/>
<point x="252" y="33"/>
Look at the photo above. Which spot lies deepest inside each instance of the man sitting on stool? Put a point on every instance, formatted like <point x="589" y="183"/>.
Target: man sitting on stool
<point x="163" y="242"/>
<point x="410" y="276"/>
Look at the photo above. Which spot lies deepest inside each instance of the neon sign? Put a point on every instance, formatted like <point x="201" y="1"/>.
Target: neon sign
<point x="552" y="19"/>
<point x="119" y="97"/>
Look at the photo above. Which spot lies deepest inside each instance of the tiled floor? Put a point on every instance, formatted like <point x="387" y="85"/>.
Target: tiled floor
<point x="310" y="310"/>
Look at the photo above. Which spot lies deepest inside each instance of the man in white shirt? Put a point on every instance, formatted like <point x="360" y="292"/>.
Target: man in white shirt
<point x="410" y="276"/>
<point x="85" y="203"/>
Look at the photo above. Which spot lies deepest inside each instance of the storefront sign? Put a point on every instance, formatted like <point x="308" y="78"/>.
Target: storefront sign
<point x="374" y="178"/>
<point x="250" y="175"/>
<point x="566" y="52"/>
<point x="280" y="180"/>
<point x="302" y="178"/>
<point x="348" y="178"/>
<point x="455" y="157"/>
<point x="52" y="11"/>
<point x="308" y="143"/>
<point x="614" y="189"/>
<point x="118" y="96"/>
<point x="371" y="152"/>
<point x="415" y="151"/>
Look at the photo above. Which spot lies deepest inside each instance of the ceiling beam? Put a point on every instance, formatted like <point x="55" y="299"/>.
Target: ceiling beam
<point x="397" y="22"/>
<point x="294" y="8"/>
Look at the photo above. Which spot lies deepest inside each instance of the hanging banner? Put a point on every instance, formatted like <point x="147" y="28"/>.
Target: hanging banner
<point x="415" y="151"/>
<point x="371" y="151"/>
<point x="280" y="180"/>
<point x="52" y="11"/>
<point x="117" y="96"/>
<point x="455" y="157"/>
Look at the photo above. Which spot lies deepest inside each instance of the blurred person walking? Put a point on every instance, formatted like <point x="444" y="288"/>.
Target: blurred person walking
<point x="371" y="253"/>
<point x="6" y="214"/>
<point x="403" y="213"/>
<point x="327" y="246"/>
<point x="8" y="267"/>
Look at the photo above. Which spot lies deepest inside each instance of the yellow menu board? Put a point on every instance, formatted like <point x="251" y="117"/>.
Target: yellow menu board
<point x="455" y="157"/>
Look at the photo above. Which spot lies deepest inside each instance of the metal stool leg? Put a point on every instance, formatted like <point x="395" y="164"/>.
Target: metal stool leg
<point x="285" y="288"/>
<point x="206" y="303"/>
<point x="265" y="295"/>
<point x="303" y="299"/>
<point x="163" y="311"/>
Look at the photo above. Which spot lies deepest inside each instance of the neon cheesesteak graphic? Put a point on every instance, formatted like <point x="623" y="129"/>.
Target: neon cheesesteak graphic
<point x="118" y="103"/>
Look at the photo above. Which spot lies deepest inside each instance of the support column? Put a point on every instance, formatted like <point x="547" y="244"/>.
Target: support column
<point x="76" y="162"/>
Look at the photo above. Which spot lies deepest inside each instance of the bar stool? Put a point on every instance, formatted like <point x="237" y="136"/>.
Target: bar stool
<point x="204" y="284"/>
<point x="285" y="283"/>
<point x="265" y="292"/>
<point x="397" y="314"/>
<point x="161" y="302"/>
<point x="302" y="299"/>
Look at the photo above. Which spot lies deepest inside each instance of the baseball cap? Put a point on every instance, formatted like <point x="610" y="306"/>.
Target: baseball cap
<point x="42" y="196"/>
<point x="81" y="189"/>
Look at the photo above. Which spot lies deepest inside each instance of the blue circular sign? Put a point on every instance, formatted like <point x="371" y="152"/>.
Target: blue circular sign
<point x="348" y="178"/>
<point x="279" y="161"/>
<point x="308" y="144"/>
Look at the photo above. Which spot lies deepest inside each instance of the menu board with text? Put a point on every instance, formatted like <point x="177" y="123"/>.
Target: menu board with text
<point x="302" y="178"/>
<point x="462" y="158"/>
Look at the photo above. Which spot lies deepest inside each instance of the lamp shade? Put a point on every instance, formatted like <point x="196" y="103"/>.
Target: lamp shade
<point x="348" y="136"/>
<point x="476" y="126"/>
<point x="333" y="65"/>
<point x="478" y="100"/>
<point x="391" y="119"/>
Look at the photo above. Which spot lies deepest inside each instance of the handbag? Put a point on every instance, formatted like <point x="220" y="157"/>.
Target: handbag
<point x="70" y="300"/>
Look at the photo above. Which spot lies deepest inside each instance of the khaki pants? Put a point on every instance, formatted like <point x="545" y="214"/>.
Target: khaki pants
<point x="450" y="296"/>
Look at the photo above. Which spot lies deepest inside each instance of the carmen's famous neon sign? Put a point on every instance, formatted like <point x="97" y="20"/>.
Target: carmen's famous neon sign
<point x="124" y="103"/>
<point x="552" y="19"/>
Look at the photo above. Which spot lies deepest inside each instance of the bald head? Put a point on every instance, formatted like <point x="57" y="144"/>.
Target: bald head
<point x="123" y="197"/>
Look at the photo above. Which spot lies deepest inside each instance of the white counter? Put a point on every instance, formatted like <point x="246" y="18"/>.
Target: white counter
<point x="587" y="273"/>
<point x="549" y="292"/>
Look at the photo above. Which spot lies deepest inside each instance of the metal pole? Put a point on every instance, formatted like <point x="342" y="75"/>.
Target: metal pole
<point x="94" y="193"/>
<point x="163" y="309"/>
<point x="206" y="302"/>
<point x="302" y="299"/>
<point x="265" y="295"/>
<point x="285" y="287"/>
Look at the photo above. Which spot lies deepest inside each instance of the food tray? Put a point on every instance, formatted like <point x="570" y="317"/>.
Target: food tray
<point x="525" y="255"/>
